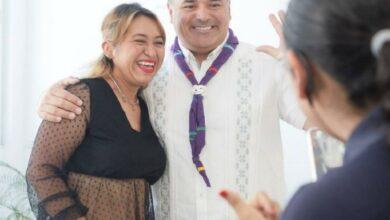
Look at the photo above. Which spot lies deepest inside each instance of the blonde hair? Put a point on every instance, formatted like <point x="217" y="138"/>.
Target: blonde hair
<point x="114" y="29"/>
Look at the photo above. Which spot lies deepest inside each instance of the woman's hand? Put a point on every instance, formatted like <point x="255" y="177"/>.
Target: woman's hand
<point x="82" y="218"/>
<point x="261" y="207"/>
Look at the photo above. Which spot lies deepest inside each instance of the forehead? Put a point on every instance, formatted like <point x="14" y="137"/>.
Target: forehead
<point x="177" y="2"/>
<point x="145" y="26"/>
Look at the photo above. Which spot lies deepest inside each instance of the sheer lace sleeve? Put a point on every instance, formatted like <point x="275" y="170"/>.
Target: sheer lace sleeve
<point x="49" y="194"/>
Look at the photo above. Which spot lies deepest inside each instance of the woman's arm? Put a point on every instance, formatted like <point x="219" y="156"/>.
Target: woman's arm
<point x="54" y="145"/>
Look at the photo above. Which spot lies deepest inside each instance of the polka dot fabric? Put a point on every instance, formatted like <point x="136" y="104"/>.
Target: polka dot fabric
<point x="55" y="193"/>
<point x="113" y="198"/>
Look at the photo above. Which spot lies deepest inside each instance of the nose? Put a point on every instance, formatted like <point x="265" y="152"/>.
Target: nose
<point x="150" y="51"/>
<point x="202" y="13"/>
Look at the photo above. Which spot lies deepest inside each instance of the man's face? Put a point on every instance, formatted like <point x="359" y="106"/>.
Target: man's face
<point x="201" y="25"/>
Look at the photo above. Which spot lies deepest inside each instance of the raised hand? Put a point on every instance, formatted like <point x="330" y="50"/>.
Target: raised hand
<point x="278" y="52"/>
<point x="58" y="103"/>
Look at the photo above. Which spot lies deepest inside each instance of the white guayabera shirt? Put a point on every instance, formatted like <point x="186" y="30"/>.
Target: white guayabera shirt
<point x="243" y="104"/>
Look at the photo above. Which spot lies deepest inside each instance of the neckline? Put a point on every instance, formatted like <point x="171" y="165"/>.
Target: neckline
<point x="123" y="113"/>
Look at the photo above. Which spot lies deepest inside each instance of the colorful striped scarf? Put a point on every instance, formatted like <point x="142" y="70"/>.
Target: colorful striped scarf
<point x="197" y="126"/>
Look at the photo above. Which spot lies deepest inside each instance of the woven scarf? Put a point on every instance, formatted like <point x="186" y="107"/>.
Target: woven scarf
<point x="197" y="128"/>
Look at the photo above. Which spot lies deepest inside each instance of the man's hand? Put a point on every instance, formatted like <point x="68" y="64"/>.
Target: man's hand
<point x="261" y="207"/>
<point x="279" y="52"/>
<point x="58" y="103"/>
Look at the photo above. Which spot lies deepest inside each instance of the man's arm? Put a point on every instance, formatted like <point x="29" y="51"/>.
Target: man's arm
<point x="278" y="53"/>
<point x="58" y="103"/>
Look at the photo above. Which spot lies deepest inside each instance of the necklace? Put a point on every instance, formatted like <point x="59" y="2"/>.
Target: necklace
<point x="124" y="97"/>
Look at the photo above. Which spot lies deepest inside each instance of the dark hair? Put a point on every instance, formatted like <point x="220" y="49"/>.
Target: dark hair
<point x="335" y="35"/>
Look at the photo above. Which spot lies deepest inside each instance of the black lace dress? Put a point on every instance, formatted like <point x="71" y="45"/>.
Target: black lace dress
<point x="96" y="165"/>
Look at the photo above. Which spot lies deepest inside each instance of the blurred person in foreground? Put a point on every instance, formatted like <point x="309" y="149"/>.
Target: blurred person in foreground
<point x="339" y="53"/>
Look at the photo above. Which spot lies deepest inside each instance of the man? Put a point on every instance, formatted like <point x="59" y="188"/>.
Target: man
<point x="242" y="104"/>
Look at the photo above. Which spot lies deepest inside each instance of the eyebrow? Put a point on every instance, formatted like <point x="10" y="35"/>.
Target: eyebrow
<point x="139" y="35"/>
<point x="144" y="35"/>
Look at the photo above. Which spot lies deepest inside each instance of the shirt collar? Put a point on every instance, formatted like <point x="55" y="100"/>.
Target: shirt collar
<point x="212" y="55"/>
<point x="369" y="131"/>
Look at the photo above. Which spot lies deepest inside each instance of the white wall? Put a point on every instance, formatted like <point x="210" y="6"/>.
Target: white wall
<point x="46" y="40"/>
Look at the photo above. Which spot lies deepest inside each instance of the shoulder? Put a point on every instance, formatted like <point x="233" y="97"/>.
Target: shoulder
<point x="260" y="61"/>
<point x="249" y="51"/>
<point x="84" y="89"/>
<point x="268" y="69"/>
<point x="78" y="88"/>
<point x="315" y="201"/>
<point x="343" y="193"/>
<point x="90" y="85"/>
<point x="95" y="82"/>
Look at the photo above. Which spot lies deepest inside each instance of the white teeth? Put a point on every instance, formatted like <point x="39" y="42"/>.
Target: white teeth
<point x="203" y="28"/>
<point x="147" y="64"/>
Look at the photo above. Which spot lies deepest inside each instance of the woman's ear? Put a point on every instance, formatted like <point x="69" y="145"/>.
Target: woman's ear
<point x="299" y="78"/>
<point x="107" y="49"/>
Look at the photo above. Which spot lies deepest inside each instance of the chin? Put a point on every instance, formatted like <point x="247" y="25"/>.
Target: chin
<point x="204" y="46"/>
<point x="144" y="82"/>
<point x="203" y="41"/>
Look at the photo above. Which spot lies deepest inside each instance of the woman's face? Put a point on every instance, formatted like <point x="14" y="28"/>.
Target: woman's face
<point x="139" y="56"/>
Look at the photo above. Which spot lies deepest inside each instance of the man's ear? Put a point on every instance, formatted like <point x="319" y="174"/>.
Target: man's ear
<point x="170" y="10"/>
<point x="299" y="78"/>
<point x="107" y="49"/>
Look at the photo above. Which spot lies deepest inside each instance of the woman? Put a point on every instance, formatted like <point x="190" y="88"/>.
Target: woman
<point x="101" y="165"/>
<point x="339" y="52"/>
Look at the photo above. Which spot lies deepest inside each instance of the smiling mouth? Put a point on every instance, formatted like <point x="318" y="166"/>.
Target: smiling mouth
<point x="203" y="28"/>
<point x="147" y="66"/>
